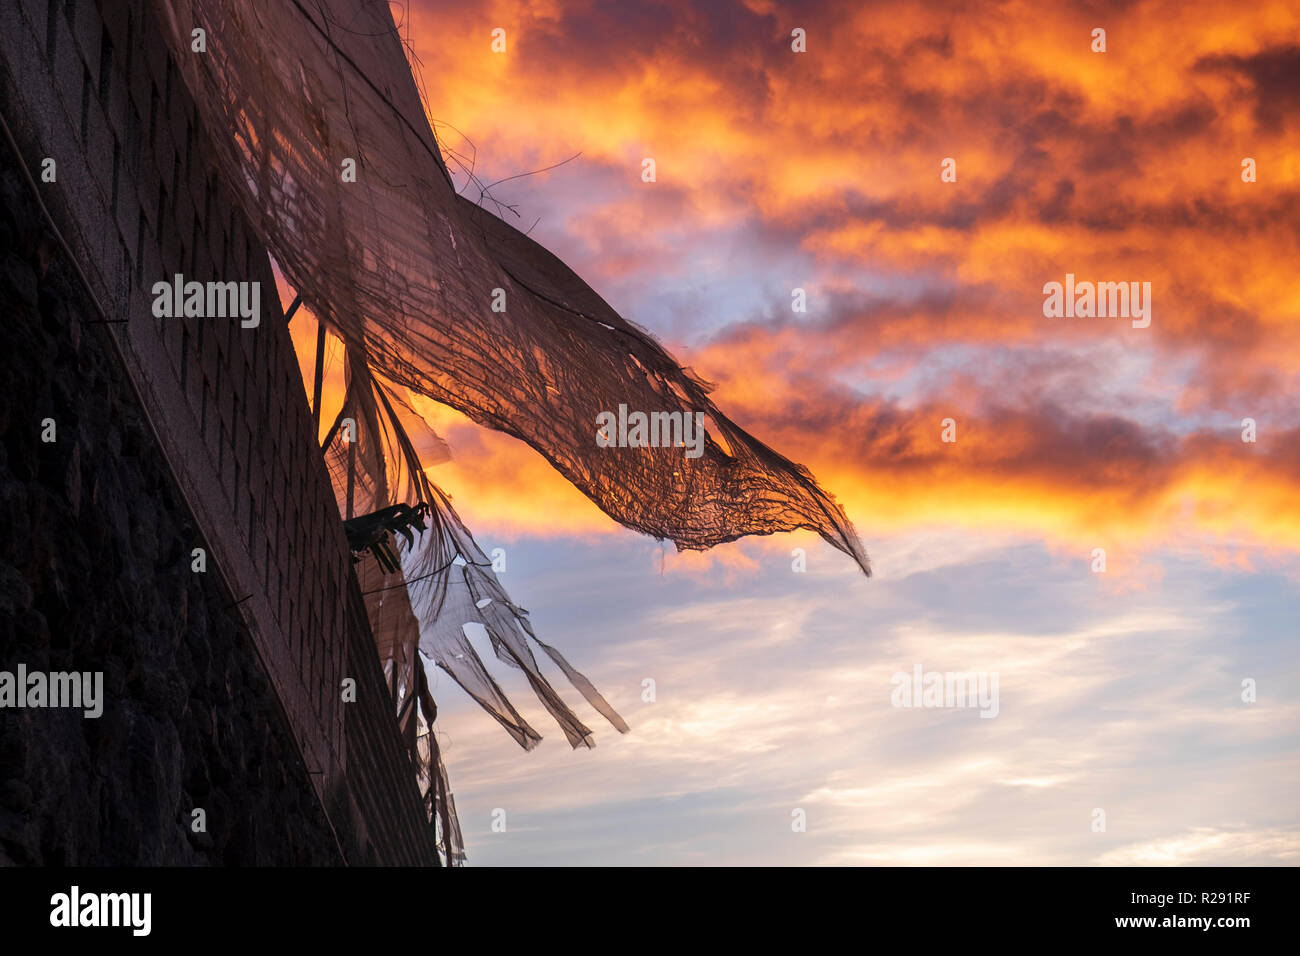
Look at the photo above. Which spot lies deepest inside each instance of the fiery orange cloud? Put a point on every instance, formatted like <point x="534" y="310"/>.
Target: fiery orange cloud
<point x="1117" y="166"/>
<point x="1075" y="484"/>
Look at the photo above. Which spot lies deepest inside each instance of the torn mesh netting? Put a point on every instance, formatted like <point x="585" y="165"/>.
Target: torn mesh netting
<point x="404" y="271"/>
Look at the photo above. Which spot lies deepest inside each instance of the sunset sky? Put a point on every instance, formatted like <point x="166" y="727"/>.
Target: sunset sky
<point x="820" y="170"/>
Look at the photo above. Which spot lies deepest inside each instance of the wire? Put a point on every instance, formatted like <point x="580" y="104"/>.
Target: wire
<point x="403" y="583"/>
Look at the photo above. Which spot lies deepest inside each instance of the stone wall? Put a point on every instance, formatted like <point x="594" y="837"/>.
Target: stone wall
<point x="95" y="576"/>
<point x="90" y="84"/>
<point x="96" y="91"/>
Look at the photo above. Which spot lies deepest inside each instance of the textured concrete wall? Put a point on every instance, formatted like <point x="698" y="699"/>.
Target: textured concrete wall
<point x="91" y="85"/>
<point x="143" y="205"/>
<point x="95" y="576"/>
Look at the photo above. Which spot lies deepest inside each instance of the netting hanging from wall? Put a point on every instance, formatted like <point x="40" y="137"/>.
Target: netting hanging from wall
<point x="405" y="272"/>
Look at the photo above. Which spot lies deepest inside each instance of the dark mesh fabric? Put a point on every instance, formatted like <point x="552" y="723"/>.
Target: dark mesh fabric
<point x="404" y="269"/>
<point x="405" y="272"/>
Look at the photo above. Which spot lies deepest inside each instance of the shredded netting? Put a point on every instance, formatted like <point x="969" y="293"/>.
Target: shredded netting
<point x="404" y="270"/>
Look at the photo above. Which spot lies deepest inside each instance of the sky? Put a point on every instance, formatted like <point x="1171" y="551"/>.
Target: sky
<point x="773" y="735"/>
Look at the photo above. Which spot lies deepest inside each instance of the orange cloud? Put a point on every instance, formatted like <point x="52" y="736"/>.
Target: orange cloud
<point x="1116" y="166"/>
